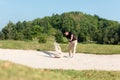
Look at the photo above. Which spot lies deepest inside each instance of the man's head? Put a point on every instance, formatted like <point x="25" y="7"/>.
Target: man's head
<point x="66" y="33"/>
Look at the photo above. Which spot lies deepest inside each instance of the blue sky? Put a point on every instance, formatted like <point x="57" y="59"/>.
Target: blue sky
<point x="20" y="10"/>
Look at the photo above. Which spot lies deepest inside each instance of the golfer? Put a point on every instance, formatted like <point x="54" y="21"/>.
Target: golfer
<point x="72" y="39"/>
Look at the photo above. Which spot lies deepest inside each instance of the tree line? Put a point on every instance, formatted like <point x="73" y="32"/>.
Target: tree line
<point x="88" y="28"/>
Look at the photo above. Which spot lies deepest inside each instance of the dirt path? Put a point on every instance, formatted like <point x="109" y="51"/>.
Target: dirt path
<point x="38" y="59"/>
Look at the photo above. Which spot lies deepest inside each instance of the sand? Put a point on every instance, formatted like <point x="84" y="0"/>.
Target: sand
<point x="46" y="60"/>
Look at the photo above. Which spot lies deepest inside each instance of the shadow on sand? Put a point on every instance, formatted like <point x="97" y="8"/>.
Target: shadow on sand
<point x="49" y="54"/>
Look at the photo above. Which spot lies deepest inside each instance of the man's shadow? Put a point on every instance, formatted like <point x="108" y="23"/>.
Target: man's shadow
<point x="49" y="54"/>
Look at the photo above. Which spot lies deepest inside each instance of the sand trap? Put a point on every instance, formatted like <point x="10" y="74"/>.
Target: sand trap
<point x="38" y="59"/>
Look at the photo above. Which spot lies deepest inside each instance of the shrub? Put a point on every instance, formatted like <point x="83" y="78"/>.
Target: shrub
<point x="42" y="39"/>
<point x="60" y="38"/>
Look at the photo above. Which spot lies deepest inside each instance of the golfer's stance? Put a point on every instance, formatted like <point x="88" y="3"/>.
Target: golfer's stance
<point x="72" y="43"/>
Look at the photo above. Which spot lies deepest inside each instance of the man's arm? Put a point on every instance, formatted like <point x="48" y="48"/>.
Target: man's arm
<point x="71" y="38"/>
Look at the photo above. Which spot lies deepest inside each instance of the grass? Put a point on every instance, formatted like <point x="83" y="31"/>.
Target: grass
<point x="10" y="71"/>
<point x="96" y="48"/>
<point x="26" y="45"/>
<point x="81" y="48"/>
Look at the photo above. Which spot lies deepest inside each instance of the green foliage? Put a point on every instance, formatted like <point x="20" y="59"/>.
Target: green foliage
<point x="36" y="31"/>
<point x="88" y="28"/>
<point x="8" y="31"/>
<point x="42" y="39"/>
<point x="1" y="36"/>
<point x="59" y="37"/>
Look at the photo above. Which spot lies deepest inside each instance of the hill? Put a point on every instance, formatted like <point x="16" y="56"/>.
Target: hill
<point x="87" y="27"/>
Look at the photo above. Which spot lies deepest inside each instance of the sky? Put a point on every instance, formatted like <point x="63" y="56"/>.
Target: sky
<point x="20" y="10"/>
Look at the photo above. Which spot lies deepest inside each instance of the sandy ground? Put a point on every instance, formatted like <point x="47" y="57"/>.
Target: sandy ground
<point x="38" y="59"/>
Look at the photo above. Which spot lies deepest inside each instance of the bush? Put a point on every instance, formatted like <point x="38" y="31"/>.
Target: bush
<point x="60" y="38"/>
<point x="1" y="36"/>
<point x="42" y="39"/>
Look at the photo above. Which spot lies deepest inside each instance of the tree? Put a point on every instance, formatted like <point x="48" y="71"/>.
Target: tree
<point x="8" y="31"/>
<point x="59" y="37"/>
<point x="42" y="38"/>
<point x="88" y="28"/>
<point x="37" y="30"/>
<point x="27" y="34"/>
<point x="1" y="36"/>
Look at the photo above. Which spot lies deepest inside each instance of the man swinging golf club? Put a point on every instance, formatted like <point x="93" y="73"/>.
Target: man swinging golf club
<point x="72" y="39"/>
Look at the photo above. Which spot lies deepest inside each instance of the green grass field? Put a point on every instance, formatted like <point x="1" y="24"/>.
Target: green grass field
<point x="10" y="71"/>
<point x="81" y="48"/>
<point x="96" y="48"/>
